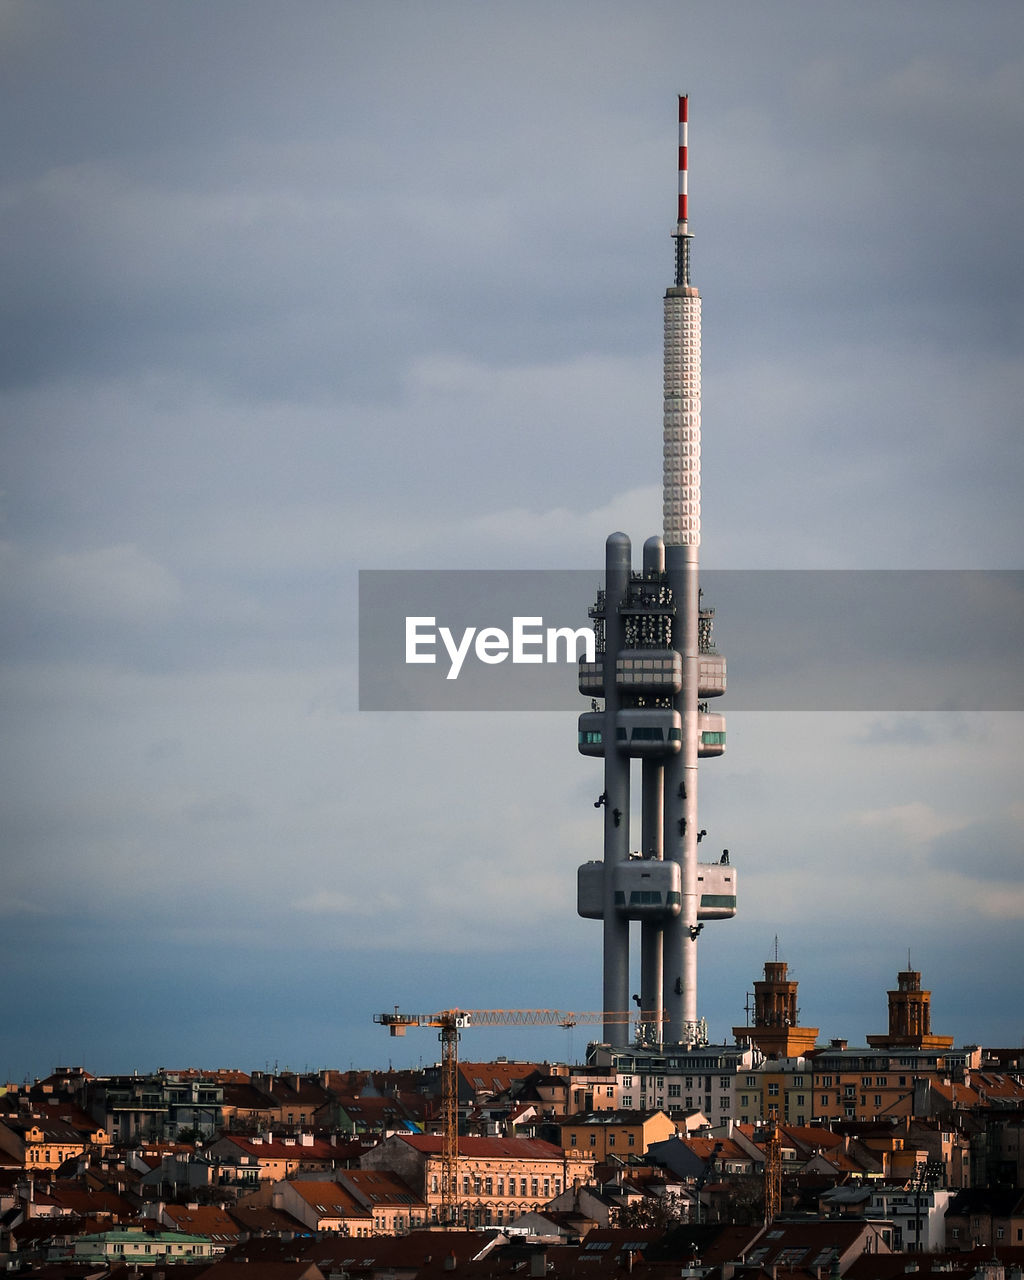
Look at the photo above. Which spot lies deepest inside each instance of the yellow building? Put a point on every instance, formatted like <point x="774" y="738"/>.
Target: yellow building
<point x="497" y="1179"/>
<point x="46" y="1143"/>
<point x="603" y="1134"/>
<point x="780" y="1090"/>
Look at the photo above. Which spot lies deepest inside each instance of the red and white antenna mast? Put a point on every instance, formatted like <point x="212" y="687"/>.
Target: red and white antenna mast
<point x="682" y="234"/>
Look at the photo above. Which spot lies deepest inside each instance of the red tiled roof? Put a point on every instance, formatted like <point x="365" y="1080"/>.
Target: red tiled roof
<point x="279" y="1149"/>
<point x="329" y="1199"/>
<point x="486" y="1148"/>
<point x="203" y="1220"/>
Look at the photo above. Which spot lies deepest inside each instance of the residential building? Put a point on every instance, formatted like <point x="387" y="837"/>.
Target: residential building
<point x="393" y="1207"/>
<point x="777" y="1089"/>
<point x="605" y="1135"/>
<point x="498" y="1179"/>
<point x="140" y="1246"/>
<point x="865" y="1084"/>
<point x="273" y="1156"/>
<point x="985" y="1217"/>
<point x="156" y="1107"/>
<point x="676" y="1079"/>
<point x="917" y="1215"/>
<point x="815" y="1248"/>
<point x="33" y="1141"/>
<point x="323" y="1207"/>
<point x="593" y="1088"/>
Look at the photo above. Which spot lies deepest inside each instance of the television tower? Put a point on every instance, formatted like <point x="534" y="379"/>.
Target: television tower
<point x="655" y="667"/>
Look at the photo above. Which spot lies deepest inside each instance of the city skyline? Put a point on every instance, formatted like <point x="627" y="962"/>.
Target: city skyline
<point x="298" y="294"/>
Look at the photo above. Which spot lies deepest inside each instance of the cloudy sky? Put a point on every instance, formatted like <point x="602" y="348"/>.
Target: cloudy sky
<point x="293" y="291"/>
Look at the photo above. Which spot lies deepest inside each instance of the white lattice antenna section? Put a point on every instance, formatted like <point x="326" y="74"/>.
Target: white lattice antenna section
<point x="681" y="467"/>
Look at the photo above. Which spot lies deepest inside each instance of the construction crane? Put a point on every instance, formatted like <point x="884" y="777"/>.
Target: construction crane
<point x="772" y="1173"/>
<point x="450" y="1022"/>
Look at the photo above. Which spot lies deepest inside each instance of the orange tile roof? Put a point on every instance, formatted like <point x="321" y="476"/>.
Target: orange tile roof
<point x="203" y="1220"/>
<point x="486" y="1148"/>
<point x="330" y="1199"/>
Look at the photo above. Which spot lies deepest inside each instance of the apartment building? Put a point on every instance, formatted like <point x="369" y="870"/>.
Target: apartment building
<point x="777" y="1089"/>
<point x="605" y="1135"/>
<point x="676" y="1080"/>
<point x="870" y="1083"/>
<point x="498" y="1179"/>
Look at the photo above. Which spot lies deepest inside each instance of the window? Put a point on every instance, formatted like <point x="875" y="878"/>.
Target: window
<point x="751" y="1082"/>
<point x="632" y="1140"/>
<point x="611" y="1139"/>
<point x="572" y="1139"/>
<point x="773" y="1089"/>
<point x="878" y="1099"/>
<point x="723" y="1082"/>
<point x="674" y="1090"/>
<point x="627" y="1082"/>
<point x="627" y="1101"/>
<point x="744" y="1100"/>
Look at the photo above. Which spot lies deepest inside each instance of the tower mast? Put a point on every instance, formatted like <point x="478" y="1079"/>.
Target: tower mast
<point x="681" y="515"/>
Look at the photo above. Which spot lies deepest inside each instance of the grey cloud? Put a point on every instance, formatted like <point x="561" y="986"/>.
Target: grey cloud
<point x="989" y="850"/>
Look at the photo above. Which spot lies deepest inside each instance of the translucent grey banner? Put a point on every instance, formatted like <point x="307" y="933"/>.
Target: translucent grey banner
<point x="794" y="640"/>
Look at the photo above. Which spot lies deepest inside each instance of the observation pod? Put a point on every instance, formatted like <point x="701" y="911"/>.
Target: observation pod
<point x="591" y="733"/>
<point x="590" y="890"/>
<point x="591" y="679"/>
<point x="639" y="732"/>
<point x="643" y="889"/>
<point x="647" y="889"/>
<point x="712" y="734"/>
<point x="651" y="670"/>
<point x="716" y="885"/>
<point x="648" y="731"/>
<point x="710" y="675"/>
